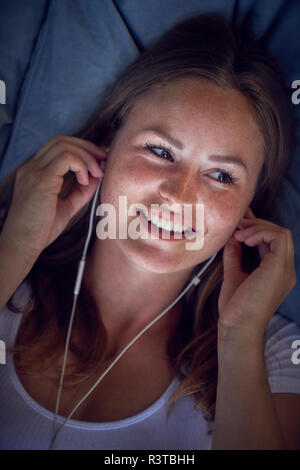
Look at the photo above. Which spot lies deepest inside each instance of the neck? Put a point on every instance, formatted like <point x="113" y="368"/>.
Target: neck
<point x="127" y="296"/>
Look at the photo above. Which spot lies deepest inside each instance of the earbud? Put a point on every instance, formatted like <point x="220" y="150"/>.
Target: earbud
<point x="103" y="163"/>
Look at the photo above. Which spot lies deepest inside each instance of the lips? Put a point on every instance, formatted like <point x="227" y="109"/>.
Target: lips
<point x="169" y="217"/>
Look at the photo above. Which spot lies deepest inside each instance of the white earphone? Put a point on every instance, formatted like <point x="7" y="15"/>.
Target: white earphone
<point x="196" y="280"/>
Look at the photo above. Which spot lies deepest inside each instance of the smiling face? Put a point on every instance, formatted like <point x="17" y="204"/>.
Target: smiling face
<point x="171" y="150"/>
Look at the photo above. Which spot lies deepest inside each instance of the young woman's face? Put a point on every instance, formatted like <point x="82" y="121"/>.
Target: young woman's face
<point x="187" y="124"/>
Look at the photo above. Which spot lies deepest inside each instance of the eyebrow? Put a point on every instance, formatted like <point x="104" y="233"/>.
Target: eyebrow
<point x="228" y="159"/>
<point x="180" y="146"/>
<point x="164" y="135"/>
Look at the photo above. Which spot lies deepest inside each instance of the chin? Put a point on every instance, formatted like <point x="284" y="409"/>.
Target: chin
<point x="152" y="258"/>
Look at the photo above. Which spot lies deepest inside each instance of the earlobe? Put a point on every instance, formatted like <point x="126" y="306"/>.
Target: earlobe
<point x="245" y="214"/>
<point x="106" y="151"/>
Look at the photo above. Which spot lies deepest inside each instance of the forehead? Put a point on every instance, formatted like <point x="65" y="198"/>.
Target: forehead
<point x="200" y="114"/>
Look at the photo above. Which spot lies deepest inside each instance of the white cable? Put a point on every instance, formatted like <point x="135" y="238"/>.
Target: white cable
<point x="64" y="363"/>
<point x="194" y="281"/>
<point x="76" y="292"/>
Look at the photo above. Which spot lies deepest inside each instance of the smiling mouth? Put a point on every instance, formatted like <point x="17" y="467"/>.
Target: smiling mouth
<point x="165" y="225"/>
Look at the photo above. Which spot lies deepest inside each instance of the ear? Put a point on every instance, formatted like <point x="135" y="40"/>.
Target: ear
<point x="104" y="148"/>
<point x="249" y="214"/>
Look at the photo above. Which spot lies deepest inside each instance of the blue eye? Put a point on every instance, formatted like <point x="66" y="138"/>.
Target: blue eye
<point x="166" y="152"/>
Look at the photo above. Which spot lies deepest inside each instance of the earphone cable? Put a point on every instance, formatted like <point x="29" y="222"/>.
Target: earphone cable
<point x="194" y="281"/>
<point x="76" y="293"/>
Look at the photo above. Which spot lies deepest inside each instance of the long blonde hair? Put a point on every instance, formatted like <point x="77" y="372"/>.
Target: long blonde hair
<point x="204" y="47"/>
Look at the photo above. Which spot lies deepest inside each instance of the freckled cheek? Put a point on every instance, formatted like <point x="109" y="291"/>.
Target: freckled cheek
<point x="138" y="177"/>
<point x="131" y="178"/>
<point x="221" y="218"/>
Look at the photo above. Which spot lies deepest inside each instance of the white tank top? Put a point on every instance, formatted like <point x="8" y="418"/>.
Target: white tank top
<point x="24" y="424"/>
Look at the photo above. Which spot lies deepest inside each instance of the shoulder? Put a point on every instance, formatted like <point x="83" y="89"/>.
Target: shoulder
<point x="280" y="340"/>
<point x="279" y="324"/>
<point x="282" y="359"/>
<point x="19" y="299"/>
<point x="21" y="295"/>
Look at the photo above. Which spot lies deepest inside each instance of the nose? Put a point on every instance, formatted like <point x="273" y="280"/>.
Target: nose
<point x="182" y="189"/>
<point x="179" y="188"/>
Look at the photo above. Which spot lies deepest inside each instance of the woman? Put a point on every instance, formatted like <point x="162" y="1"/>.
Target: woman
<point x="202" y="117"/>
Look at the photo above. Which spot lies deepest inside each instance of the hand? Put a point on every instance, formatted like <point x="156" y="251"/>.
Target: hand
<point x="37" y="215"/>
<point x="248" y="301"/>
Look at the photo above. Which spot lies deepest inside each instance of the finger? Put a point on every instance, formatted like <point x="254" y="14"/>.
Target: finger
<point x="244" y="223"/>
<point x="245" y="236"/>
<point x="62" y="164"/>
<point x="263" y="249"/>
<point x="81" y="195"/>
<point x="278" y="261"/>
<point x="244" y="233"/>
<point x="276" y="239"/>
<point x="248" y="236"/>
<point x="66" y="151"/>
<point x="94" y="149"/>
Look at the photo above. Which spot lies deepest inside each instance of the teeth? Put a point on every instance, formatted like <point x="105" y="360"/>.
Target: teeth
<point x="166" y="225"/>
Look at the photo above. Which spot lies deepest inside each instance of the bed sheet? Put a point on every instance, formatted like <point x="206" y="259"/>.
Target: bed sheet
<point x="58" y="57"/>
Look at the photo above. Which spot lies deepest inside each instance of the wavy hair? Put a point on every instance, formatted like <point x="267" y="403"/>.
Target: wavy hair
<point x="209" y="48"/>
